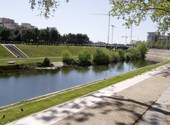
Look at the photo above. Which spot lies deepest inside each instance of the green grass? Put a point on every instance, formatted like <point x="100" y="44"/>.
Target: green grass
<point x="37" y="54"/>
<point x="56" y="51"/>
<point x="5" y="53"/>
<point x="13" y="112"/>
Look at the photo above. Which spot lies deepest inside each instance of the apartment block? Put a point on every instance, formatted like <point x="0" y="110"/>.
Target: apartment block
<point x="27" y="26"/>
<point x="155" y="37"/>
<point x="11" y="24"/>
<point x="8" y="23"/>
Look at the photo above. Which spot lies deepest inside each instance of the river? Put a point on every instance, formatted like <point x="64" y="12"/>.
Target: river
<point x="18" y="87"/>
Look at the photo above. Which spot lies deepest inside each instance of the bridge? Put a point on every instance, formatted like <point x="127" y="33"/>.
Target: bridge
<point x="111" y="46"/>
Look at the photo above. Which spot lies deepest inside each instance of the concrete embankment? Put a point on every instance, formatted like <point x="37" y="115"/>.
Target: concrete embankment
<point x="158" y="55"/>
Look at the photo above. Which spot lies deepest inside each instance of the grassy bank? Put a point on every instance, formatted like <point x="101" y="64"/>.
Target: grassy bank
<point x="14" y="112"/>
<point x="37" y="54"/>
<point x="5" y="53"/>
<point x="56" y="51"/>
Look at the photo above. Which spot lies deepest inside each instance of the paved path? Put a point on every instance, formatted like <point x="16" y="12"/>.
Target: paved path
<point x="120" y="104"/>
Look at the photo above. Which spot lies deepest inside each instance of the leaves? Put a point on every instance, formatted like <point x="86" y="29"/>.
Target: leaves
<point x="135" y="11"/>
<point x="46" y="7"/>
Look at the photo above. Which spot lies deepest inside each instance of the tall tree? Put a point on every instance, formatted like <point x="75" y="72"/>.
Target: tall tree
<point x="6" y="34"/>
<point x="54" y="36"/>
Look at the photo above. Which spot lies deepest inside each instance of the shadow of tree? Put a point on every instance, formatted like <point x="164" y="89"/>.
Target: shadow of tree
<point x="110" y="105"/>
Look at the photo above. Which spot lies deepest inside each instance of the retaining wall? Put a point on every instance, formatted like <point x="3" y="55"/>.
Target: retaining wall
<point x="158" y="55"/>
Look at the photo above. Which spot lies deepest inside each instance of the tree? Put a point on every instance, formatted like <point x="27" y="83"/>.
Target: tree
<point x="5" y="34"/>
<point x="54" y="36"/>
<point x="135" y="11"/>
<point x="28" y="36"/>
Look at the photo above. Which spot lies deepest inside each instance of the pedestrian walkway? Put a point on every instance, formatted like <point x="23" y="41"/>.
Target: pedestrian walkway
<point x="121" y="104"/>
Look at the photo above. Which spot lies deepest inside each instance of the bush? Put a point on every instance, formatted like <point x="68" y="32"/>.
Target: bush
<point x="115" y="57"/>
<point x="121" y="54"/>
<point x="133" y="54"/>
<point x="46" y="63"/>
<point x="101" y="58"/>
<point x="142" y="48"/>
<point x="67" y="59"/>
<point x="84" y="58"/>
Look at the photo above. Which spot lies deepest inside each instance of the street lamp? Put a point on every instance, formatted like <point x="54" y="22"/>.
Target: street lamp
<point x="112" y="32"/>
<point x="108" y="27"/>
<point x="131" y="33"/>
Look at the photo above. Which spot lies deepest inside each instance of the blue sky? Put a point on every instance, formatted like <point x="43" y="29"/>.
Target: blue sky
<point x="76" y="17"/>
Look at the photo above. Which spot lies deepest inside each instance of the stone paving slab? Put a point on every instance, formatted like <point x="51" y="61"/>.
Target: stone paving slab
<point x="127" y="103"/>
<point x="123" y="108"/>
<point x="159" y="113"/>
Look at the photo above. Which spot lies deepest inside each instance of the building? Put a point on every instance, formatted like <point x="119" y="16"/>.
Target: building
<point x="27" y="26"/>
<point x="8" y="23"/>
<point x="11" y="24"/>
<point x="155" y="40"/>
<point x="155" y="37"/>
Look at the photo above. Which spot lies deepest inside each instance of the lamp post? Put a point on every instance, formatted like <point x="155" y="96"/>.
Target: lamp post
<point x="108" y="35"/>
<point x="112" y="32"/>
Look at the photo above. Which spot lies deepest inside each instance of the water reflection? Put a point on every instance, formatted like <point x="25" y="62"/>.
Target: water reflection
<point x="25" y="85"/>
<point x="83" y="70"/>
<point x="66" y="70"/>
<point x="99" y="69"/>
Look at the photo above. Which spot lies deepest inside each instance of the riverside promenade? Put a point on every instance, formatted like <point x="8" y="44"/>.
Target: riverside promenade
<point x="142" y="100"/>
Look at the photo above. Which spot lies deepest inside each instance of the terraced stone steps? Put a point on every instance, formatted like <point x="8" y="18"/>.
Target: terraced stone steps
<point x="15" y="50"/>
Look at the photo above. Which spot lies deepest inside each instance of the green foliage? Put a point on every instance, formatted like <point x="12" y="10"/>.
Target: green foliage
<point x="5" y="34"/>
<point x="46" y="62"/>
<point x="84" y="58"/>
<point x="142" y="48"/>
<point x="135" y="11"/>
<point x="100" y="58"/>
<point x="75" y="39"/>
<point x="114" y="57"/>
<point x="46" y="7"/>
<point x="67" y="59"/>
<point x="133" y="54"/>
<point x="121" y="54"/>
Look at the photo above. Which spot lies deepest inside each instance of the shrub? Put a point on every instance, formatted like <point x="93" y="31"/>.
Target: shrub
<point x="101" y="58"/>
<point x="46" y="63"/>
<point x="67" y="59"/>
<point x="84" y="58"/>
<point x="142" y="48"/>
<point x="115" y="57"/>
<point x="133" y="53"/>
<point x="121" y="54"/>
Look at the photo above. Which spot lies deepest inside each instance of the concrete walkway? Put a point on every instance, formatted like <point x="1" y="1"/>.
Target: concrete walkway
<point x="125" y="103"/>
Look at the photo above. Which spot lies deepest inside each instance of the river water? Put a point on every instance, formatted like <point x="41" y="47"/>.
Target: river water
<point x="22" y="86"/>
